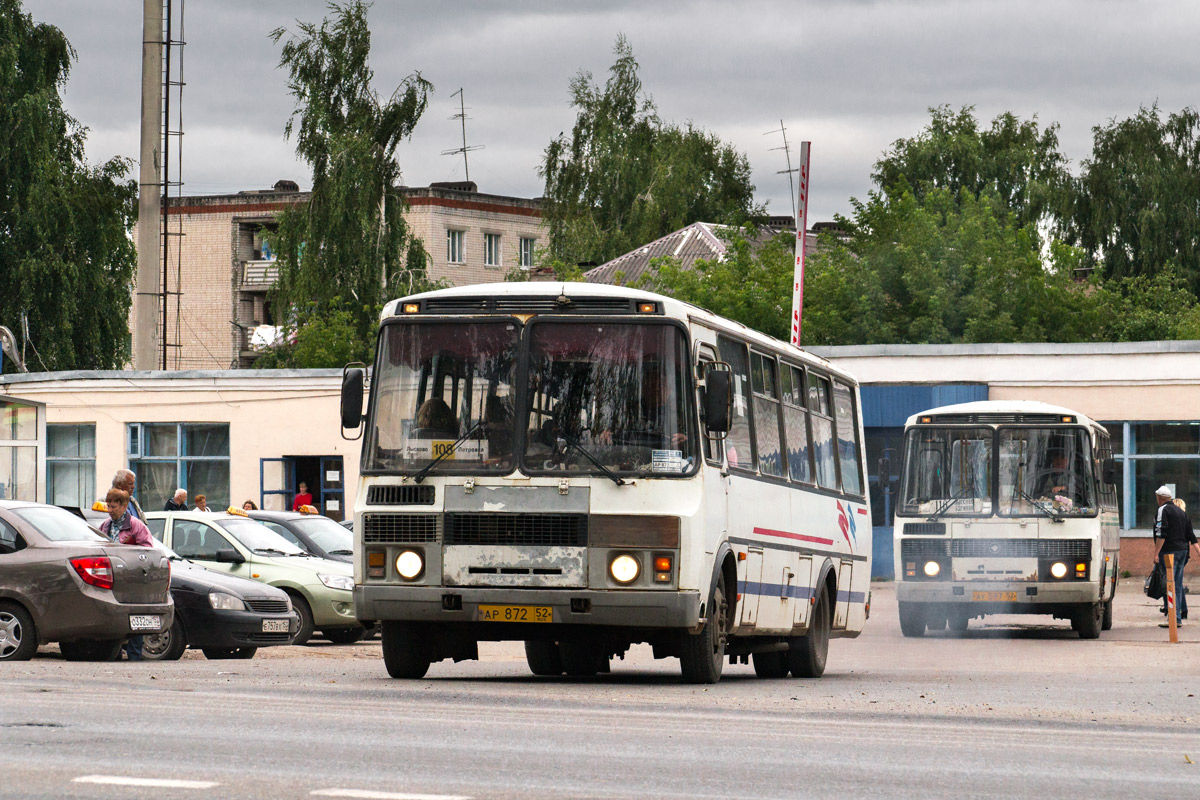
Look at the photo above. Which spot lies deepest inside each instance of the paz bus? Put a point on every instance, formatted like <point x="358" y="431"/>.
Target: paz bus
<point x="583" y="467"/>
<point x="1006" y="508"/>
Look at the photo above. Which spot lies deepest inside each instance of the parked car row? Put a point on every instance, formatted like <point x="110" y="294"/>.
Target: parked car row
<point x="223" y="583"/>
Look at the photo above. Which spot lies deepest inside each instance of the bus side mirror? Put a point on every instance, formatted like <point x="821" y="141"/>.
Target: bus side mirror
<point x="352" y="397"/>
<point x="1108" y="471"/>
<point x="885" y="473"/>
<point x="718" y="401"/>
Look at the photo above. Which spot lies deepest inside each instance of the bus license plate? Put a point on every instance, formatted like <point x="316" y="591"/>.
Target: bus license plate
<point x="994" y="597"/>
<point x="275" y="626"/>
<point x="515" y="614"/>
<point x="145" y="622"/>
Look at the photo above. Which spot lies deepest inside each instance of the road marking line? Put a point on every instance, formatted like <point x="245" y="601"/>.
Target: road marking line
<point x="366" y="794"/>
<point x="158" y="783"/>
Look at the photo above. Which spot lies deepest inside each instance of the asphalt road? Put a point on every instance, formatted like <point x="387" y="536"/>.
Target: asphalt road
<point x="1018" y="707"/>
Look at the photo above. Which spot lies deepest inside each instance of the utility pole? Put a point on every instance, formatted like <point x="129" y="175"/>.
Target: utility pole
<point x="462" y="115"/>
<point x="145" y="325"/>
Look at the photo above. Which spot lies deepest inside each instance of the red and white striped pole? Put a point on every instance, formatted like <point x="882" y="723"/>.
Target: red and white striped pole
<point x="801" y="228"/>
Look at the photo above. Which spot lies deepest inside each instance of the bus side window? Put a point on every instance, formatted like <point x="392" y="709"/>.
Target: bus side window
<point x="795" y="423"/>
<point x="847" y="436"/>
<point x="739" y="448"/>
<point x="706" y="356"/>
<point x="822" y="431"/>
<point x="766" y="414"/>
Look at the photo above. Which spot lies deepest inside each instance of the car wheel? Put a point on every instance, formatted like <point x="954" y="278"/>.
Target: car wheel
<point x="305" y="630"/>
<point x="806" y="655"/>
<point x="18" y="637"/>
<point x="405" y="652"/>
<point x="770" y="665"/>
<point x="91" y="649"/>
<point x="343" y="635"/>
<point x="166" y="646"/>
<point x="543" y="658"/>
<point x="226" y="653"/>
<point x="703" y="654"/>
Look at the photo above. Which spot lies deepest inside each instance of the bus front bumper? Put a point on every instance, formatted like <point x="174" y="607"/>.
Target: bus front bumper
<point x="633" y="609"/>
<point x="1021" y="593"/>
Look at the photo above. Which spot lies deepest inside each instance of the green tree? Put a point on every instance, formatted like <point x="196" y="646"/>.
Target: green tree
<point x="67" y="261"/>
<point x="624" y="177"/>
<point x="348" y="248"/>
<point x="1136" y="210"/>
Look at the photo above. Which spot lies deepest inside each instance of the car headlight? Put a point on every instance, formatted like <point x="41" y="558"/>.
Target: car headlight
<point x="624" y="568"/>
<point x="337" y="582"/>
<point x="225" y="602"/>
<point x="932" y="568"/>
<point x="1059" y="569"/>
<point x="410" y="565"/>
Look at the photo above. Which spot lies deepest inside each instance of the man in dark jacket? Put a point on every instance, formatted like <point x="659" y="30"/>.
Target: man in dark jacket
<point x="1171" y="524"/>
<point x="178" y="501"/>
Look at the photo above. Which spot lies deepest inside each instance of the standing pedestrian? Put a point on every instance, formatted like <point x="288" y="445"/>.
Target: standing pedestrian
<point x="303" y="498"/>
<point x="201" y="503"/>
<point x="178" y="501"/>
<point x="124" y="528"/>
<point x="1171" y="524"/>
<point x="126" y="481"/>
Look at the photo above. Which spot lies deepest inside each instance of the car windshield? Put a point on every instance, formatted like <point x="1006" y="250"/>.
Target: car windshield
<point x="58" y="525"/>
<point x="1046" y="470"/>
<point x="327" y="535"/>
<point x="436" y="382"/>
<point x="947" y="472"/>
<point x="615" y="391"/>
<point x="254" y="536"/>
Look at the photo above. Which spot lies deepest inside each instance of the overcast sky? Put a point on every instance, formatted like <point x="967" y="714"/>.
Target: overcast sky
<point x="851" y="76"/>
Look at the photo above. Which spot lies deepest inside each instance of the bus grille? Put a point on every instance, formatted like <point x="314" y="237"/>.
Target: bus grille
<point x="267" y="606"/>
<point x="925" y="528"/>
<point x="995" y="548"/>
<point x="1065" y="548"/>
<point x="913" y="549"/>
<point x="404" y="495"/>
<point x="400" y="528"/>
<point x="541" y="530"/>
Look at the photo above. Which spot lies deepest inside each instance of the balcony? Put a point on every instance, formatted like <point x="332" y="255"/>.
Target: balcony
<point x="259" y="276"/>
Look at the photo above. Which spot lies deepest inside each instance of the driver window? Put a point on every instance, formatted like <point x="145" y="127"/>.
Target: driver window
<point x="198" y="541"/>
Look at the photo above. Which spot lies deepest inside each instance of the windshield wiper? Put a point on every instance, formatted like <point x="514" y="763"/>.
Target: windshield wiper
<point x="425" y="470"/>
<point x="272" y="551"/>
<point x="608" y="473"/>
<point x="944" y="507"/>
<point x="1047" y="511"/>
<point x="341" y="552"/>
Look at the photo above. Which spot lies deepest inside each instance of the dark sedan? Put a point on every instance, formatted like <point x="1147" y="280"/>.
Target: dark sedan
<point x="222" y="615"/>
<point x="61" y="581"/>
<point x="312" y="533"/>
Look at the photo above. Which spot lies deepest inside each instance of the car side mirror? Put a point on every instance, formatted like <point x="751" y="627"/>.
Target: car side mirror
<point x="352" y="396"/>
<point x="718" y="401"/>
<point x="230" y="557"/>
<point x="1108" y="470"/>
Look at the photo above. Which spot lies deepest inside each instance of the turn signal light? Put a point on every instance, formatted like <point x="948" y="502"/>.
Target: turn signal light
<point x="412" y="308"/>
<point x="376" y="559"/>
<point x="94" y="571"/>
<point x="647" y="308"/>
<point x="662" y="564"/>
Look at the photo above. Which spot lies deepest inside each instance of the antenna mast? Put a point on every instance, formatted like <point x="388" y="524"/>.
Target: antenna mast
<point x="462" y="115"/>
<point x="787" y="152"/>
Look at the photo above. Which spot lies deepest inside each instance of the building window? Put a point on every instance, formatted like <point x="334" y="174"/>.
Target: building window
<point x="1150" y="455"/>
<point x="191" y="456"/>
<point x="491" y="249"/>
<point x="18" y="451"/>
<point x="526" y="252"/>
<point x="454" y="247"/>
<point x="71" y="465"/>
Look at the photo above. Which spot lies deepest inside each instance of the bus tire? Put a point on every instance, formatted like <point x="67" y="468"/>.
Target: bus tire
<point x="806" y="655"/>
<point x="958" y="623"/>
<point x="702" y="654"/>
<point x="543" y="658"/>
<point x="405" y="654"/>
<point x="1089" y="620"/>
<point x="771" y="665"/>
<point x="581" y="659"/>
<point x="1106" y="623"/>
<point x="912" y="620"/>
<point x="936" y="623"/>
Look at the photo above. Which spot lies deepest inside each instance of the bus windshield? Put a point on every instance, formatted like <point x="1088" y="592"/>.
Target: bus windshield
<point x="948" y="472"/>
<point x="1046" y="470"/>
<point x="616" y="393"/>
<point x="436" y="382"/>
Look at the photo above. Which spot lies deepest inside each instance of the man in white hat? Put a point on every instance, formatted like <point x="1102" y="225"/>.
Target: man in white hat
<point x="1171" y="524"/>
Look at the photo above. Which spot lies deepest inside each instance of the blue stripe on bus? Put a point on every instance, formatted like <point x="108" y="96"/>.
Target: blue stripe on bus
<point x="851" y="597"/>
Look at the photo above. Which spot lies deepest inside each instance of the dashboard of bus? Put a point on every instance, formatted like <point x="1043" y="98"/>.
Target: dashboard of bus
<point x="1017" y="471"/>
<point x="550" y="397"/>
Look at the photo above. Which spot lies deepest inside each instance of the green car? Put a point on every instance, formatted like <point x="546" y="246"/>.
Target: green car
<point x="321" y="590"/>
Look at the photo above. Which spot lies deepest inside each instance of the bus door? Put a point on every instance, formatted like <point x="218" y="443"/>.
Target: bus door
<point x="750" y="576"/>
<point x="716" y="483"/>
<point x="841" y="609"/>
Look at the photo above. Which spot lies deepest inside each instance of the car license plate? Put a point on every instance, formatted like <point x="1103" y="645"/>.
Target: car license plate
<point x="275" y="626"/>
<point x="515" y="614"/>
<point x="145" y="622"/>
<point x="994" y="597"/>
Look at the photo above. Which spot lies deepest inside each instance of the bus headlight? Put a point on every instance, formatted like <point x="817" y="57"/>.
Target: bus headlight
<point x="1059" y="569"/>
<point x="624" y="569"/>
<point x="932" y="568"/>
<point x="410" y="565"/>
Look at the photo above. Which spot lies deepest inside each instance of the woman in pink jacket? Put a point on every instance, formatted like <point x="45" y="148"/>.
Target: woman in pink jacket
<point x="123" y="527"/>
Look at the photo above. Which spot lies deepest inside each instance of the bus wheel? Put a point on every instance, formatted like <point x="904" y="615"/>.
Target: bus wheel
<point x="581" y="659"/>
<point x="912" y="619"/>
<point x="958" y="623"/>
<point x="405" y="654"/>
<point x="703" y="654"/>
<point x="1089" y="619"/>
<point x="771" y="665"/>
<point x="1106" y="623"/>
<point x="936" y="623"/>
<point x="807" y="654"/>
<point x="543" y="658"/>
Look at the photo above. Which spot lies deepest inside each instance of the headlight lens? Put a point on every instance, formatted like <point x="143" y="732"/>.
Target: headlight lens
<point x="409" y="564"/>
<point x="624" y="569"/>
<point x="225" y="602"/>
<point x="337" y="582"/>
<point x="932" y="568"/>
<point x="1059" y="569"/>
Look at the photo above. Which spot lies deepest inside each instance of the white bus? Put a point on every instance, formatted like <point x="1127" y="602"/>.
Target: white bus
<point x="584" y="467"/>
<point x="1005" y="508"/>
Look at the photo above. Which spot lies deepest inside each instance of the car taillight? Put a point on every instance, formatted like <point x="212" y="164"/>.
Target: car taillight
<point x="95" y="571"/>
